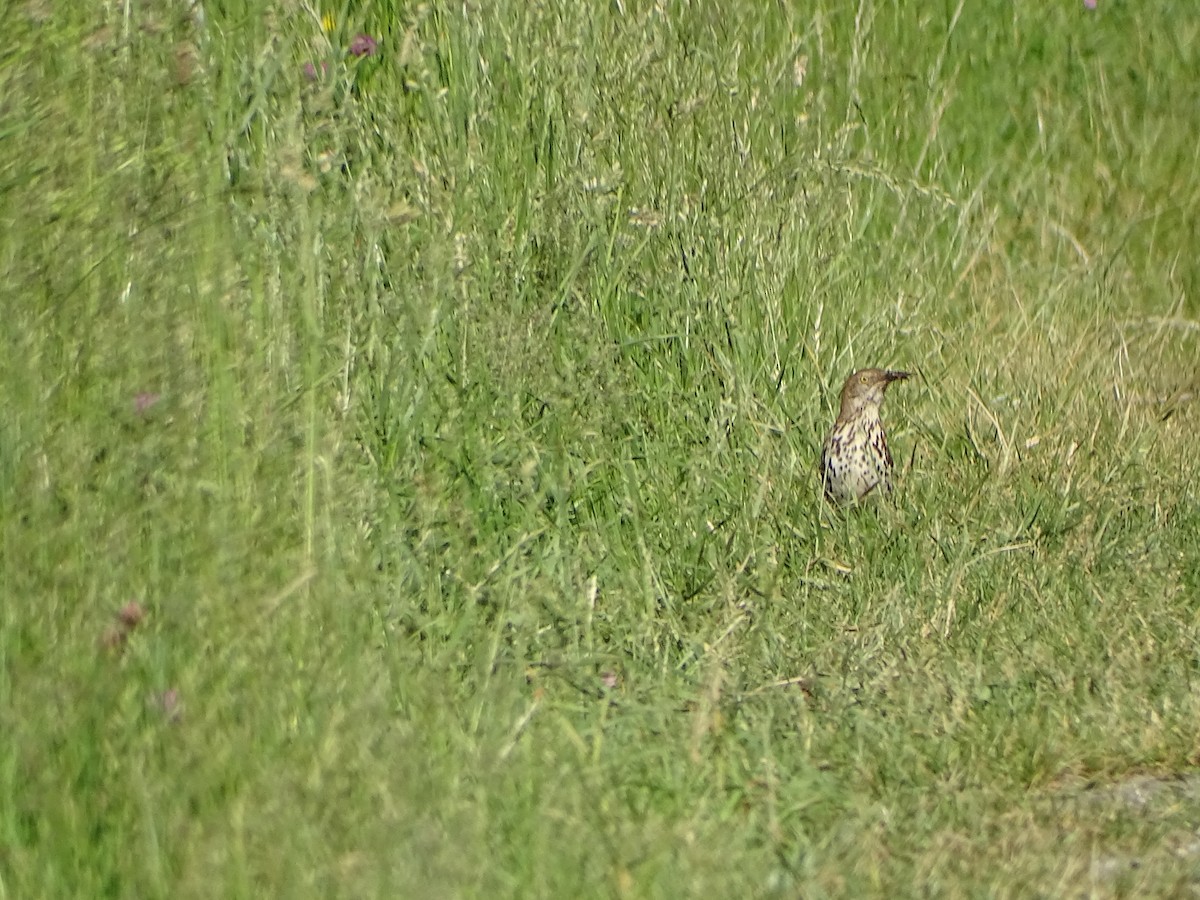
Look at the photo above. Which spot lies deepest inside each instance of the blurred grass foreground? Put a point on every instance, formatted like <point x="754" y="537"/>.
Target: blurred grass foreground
<point x="407" y="467"/>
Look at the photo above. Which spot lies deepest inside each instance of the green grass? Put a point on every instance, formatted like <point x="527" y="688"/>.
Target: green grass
<point x="452" y="417"/>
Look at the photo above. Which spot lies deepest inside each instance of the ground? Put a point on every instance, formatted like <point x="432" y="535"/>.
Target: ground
<point x="408" y="468"/>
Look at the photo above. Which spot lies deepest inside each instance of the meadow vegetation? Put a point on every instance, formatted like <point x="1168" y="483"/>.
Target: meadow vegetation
<point x="407" y="468"/>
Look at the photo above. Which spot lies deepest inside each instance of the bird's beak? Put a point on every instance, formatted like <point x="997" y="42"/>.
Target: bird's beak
<point x="895" y="376"/>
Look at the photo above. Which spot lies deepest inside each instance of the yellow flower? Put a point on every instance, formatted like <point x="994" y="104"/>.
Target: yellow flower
<point x="328" y="23"/>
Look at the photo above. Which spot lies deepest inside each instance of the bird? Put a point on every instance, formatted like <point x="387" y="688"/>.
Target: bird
<point x="855" y="460"/>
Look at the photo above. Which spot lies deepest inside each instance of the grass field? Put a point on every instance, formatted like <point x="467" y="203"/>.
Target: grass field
<point x="407" y="468"/>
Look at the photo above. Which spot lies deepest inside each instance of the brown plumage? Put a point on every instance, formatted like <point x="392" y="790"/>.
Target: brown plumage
<point x="855" y="459"/>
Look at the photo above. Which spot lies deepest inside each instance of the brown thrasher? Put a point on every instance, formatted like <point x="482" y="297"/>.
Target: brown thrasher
<point x="855" y="459"/>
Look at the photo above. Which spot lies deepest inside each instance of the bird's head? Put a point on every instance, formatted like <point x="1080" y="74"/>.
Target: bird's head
<point x="864" y="390"/>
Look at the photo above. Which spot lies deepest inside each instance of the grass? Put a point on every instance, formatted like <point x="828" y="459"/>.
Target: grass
<point x="449" y="414"/>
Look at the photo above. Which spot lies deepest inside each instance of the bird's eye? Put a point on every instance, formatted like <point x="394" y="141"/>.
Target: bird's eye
<point x="863" y="378"/>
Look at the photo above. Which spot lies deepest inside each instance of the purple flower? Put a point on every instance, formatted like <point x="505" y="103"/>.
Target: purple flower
<point x="143" y="401"/>
<point x="169" y="704"/>
<point x="1090" y="4"/>
<point x="131" y="615"/>
<point x="311" y="72"/>
<point x="364" y="45"/>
